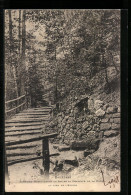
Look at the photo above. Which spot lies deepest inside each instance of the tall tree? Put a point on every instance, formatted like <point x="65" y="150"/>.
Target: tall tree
<point x="23" y="67"/>
<point x="11" y="50"/>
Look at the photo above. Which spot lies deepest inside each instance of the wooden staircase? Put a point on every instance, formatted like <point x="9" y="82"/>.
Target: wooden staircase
<point x="26" y="125"/>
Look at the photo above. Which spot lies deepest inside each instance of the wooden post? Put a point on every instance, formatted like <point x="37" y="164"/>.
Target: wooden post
<point x="46" y="158"/>
<point x="6" y="169"/>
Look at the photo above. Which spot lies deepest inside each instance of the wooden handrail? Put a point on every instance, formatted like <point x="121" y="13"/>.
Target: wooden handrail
<point x="15" y="107"/>
<point x="45" y="150"/>
<point x="14" y="99"/>
<point x="25" y="160"/>
<point x="31" y="140"/>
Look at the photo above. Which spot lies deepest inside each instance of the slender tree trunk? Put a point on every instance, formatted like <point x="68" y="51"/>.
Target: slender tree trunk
<point x="11" y="40"/>
<point x="19" y="33"/>
<point x="23" y="34"/>
<point x="19" y="60"/>
<point x="23" y="53"/>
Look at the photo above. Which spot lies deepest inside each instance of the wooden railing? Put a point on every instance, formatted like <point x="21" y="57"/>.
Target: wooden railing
<point x="15" y="105"/>
<point x="45" y="150"/>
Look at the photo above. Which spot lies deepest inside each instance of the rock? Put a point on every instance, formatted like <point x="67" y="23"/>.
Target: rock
<point x="100" y="113"/>
<point x="58" y="166"/>
<point x="59" y="125"/>
<point x="68" y="168"/>
<point x="80" y="119"/>
<point x="98" y="104"/>
<point x="105" y="107"/>
<point x="111" y="110"/>
<point x="97" y="134"/>
<point x="105" y="120"/>
<point x="109" y="115"/>
<point x="84" y="137"/>
<point x="76" y="110"/>
<point x="67" y="126"/>
<point x="66" y="118"/>
<point x="105" y="126"/>
<point x="111" y="120"/>
<point x="69" y="135"/>
<point x="85" y="125"/>
<point x="73" y="162"/>
<point x="117" y="120"/>
<point x="97" y="120"/>
<point x="96" y="127"/>
<point x="59" y="119"/>
<point x="63" y="124"/>
<point x="101" y="134"/>
<point x="70" y="120"/>
<point x="115" y="126"/>
<point x="63" y="148"/>
<point x="90" y="104"/>
<point x="63" y="121"/>
<point x="59" y="115"/>
<point x="111" y="133"/>
<point x="95" y="144"/>
<point x="80" y="145"/>
<point x="71" y="114"/>
<point x="111" y="71"/>
<point x="91" y="135"/>
<point x="119" y="109"/>
<point x="89" y="128"/>
<point x="67" y="111"/>
<point x="88" y="152"/>
<point x="53" y="123"/>
<point x="116" y="115"/>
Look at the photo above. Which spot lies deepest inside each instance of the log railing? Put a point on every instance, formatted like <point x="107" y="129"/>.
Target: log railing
<point x="15" y="105"/>
<point x="45" y="150"/>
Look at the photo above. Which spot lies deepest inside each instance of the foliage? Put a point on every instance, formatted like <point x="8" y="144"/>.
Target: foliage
<point x="64" y="50"/>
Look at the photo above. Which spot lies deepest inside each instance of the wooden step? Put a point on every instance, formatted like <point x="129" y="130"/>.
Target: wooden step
<point x="24" y="147"/>
<point x="43" y="107"/>
<point x="24" y="120"/>
<point x="33" y="114"/>
<point x="17" y="139"/>
<point x="28" y="128"/>
<point x="25" y="133"/>
<point x="30" y="118"/>
<point x="22" y="124"/>
<point x="20" y="159"/>
<point x="27" y="145"/>
<point x="21" y="154"/>
<point x="36" y="111"/>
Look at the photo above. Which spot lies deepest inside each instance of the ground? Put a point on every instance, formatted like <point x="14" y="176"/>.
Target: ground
<point x="91" y="168"/>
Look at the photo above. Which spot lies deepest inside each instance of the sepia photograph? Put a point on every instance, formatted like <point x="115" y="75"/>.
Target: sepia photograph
<point x="62" y="100"/>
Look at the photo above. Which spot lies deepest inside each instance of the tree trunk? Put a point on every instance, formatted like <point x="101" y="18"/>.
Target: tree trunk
<point x="19" y="33"/>
<point x="19" y="59"/>
<point x="23" y="54"/>
<point x="23" y="34"/>
<point x="11" y="41"/>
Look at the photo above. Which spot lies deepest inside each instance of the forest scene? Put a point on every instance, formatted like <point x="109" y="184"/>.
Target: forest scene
<point x="65" y="66"/>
